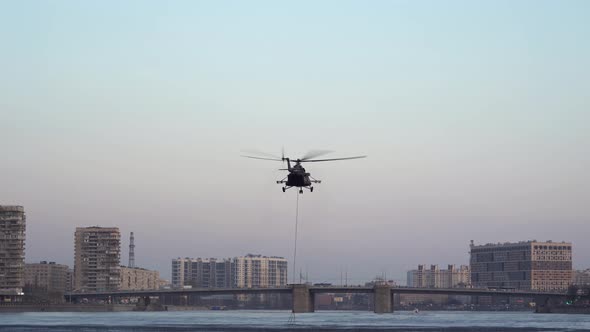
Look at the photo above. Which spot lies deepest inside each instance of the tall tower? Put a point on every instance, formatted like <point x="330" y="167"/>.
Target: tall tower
<point x="131" y="251"/>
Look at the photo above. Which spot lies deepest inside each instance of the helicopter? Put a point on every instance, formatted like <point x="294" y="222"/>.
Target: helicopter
<point x="297" y="176"/>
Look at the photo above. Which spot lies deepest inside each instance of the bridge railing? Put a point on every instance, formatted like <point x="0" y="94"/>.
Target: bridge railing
<point x="315" y="289"/>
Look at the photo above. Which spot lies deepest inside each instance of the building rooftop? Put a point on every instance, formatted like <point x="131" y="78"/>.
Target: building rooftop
<point x="97" y="228"/>
<point x="11" y="208"/>
<point x="515" y="243"/>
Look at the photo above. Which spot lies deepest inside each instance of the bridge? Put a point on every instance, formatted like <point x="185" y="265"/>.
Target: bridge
<point x="303" y="295"/>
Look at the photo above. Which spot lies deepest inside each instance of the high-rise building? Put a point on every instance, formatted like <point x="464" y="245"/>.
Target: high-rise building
<point x="253" y="271"/>
<point x="12" y="252"/>
<point x="437" y="278"/>
<point x="139" y="279"/>
<point x="457" y="277"/>
<point x="49" y="277"/>
<point x="202" y="273"/>
<point x="97" y="259"/>
<point x="179" y="273"/>
<point x="244" y="272"/>
<point x="530" y="265"/>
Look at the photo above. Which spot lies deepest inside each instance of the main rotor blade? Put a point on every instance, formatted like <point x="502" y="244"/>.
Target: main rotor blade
<point x="314" y="154"/>
<point x="260" y="153"/>
<point x="261" y="158"/>
<point x="334" y="159"/>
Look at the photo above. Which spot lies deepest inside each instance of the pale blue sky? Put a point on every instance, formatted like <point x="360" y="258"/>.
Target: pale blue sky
<point x="475" y="117"/>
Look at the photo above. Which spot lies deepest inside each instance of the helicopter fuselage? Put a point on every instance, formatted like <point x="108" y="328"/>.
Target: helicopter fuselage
<point x="297" y="177"/>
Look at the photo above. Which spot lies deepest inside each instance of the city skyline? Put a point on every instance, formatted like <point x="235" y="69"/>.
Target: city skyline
<point x="353" y="280"/>
<point x="474" y="117"/>
<point x="522" y="265"/>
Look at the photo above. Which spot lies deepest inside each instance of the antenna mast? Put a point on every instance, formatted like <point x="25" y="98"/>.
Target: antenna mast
<point x="131" y="251"/>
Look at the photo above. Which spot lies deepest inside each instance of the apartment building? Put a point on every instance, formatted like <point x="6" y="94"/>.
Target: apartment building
<point x="97" y="259"/>
<point x="134" y="278"/>
<point x="525" y="265"/>
<point x="252" y="271"/>
<point x="202" y="272"/>
<point x="48" y="277"/>
<point x="12" y="252"/>
<point x="244" y="272"/>
<point x="434" y="277"/>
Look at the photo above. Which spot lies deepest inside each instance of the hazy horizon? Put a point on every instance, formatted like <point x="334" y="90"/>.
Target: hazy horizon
<point x="474" y="116"/>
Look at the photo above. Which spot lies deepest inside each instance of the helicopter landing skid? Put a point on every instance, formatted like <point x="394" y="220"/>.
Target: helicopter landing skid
<point x="310" y="188"/>
<point x="314" y="180"/>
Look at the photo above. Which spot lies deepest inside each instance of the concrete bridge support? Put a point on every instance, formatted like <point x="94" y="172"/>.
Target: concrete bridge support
<point x="546" y="304"/>
<point x="383" y="299"/>
<point x="303" y="299"/>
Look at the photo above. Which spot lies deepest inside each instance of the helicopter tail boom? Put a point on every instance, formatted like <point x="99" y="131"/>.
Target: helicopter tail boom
<point x="288" y="163"/>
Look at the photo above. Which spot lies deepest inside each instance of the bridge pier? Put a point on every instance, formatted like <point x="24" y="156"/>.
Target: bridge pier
<point x="303" y="299"/>
<point x="383" y="299"/>
<point x="544" y="304"/>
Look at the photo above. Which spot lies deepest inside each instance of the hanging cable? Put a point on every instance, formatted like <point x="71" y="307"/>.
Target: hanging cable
<point x="292" y="320"/>
<point x="295" y="246"/>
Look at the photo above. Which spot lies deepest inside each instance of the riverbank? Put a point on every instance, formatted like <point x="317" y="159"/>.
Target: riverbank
<point x="283" y="321"/>
<point x="93" y="308"/>
<point x="564" y="310"/>
<point x="67" y="308"/>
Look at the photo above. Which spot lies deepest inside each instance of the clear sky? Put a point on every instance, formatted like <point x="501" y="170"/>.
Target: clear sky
<point x="475" y="116"/>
